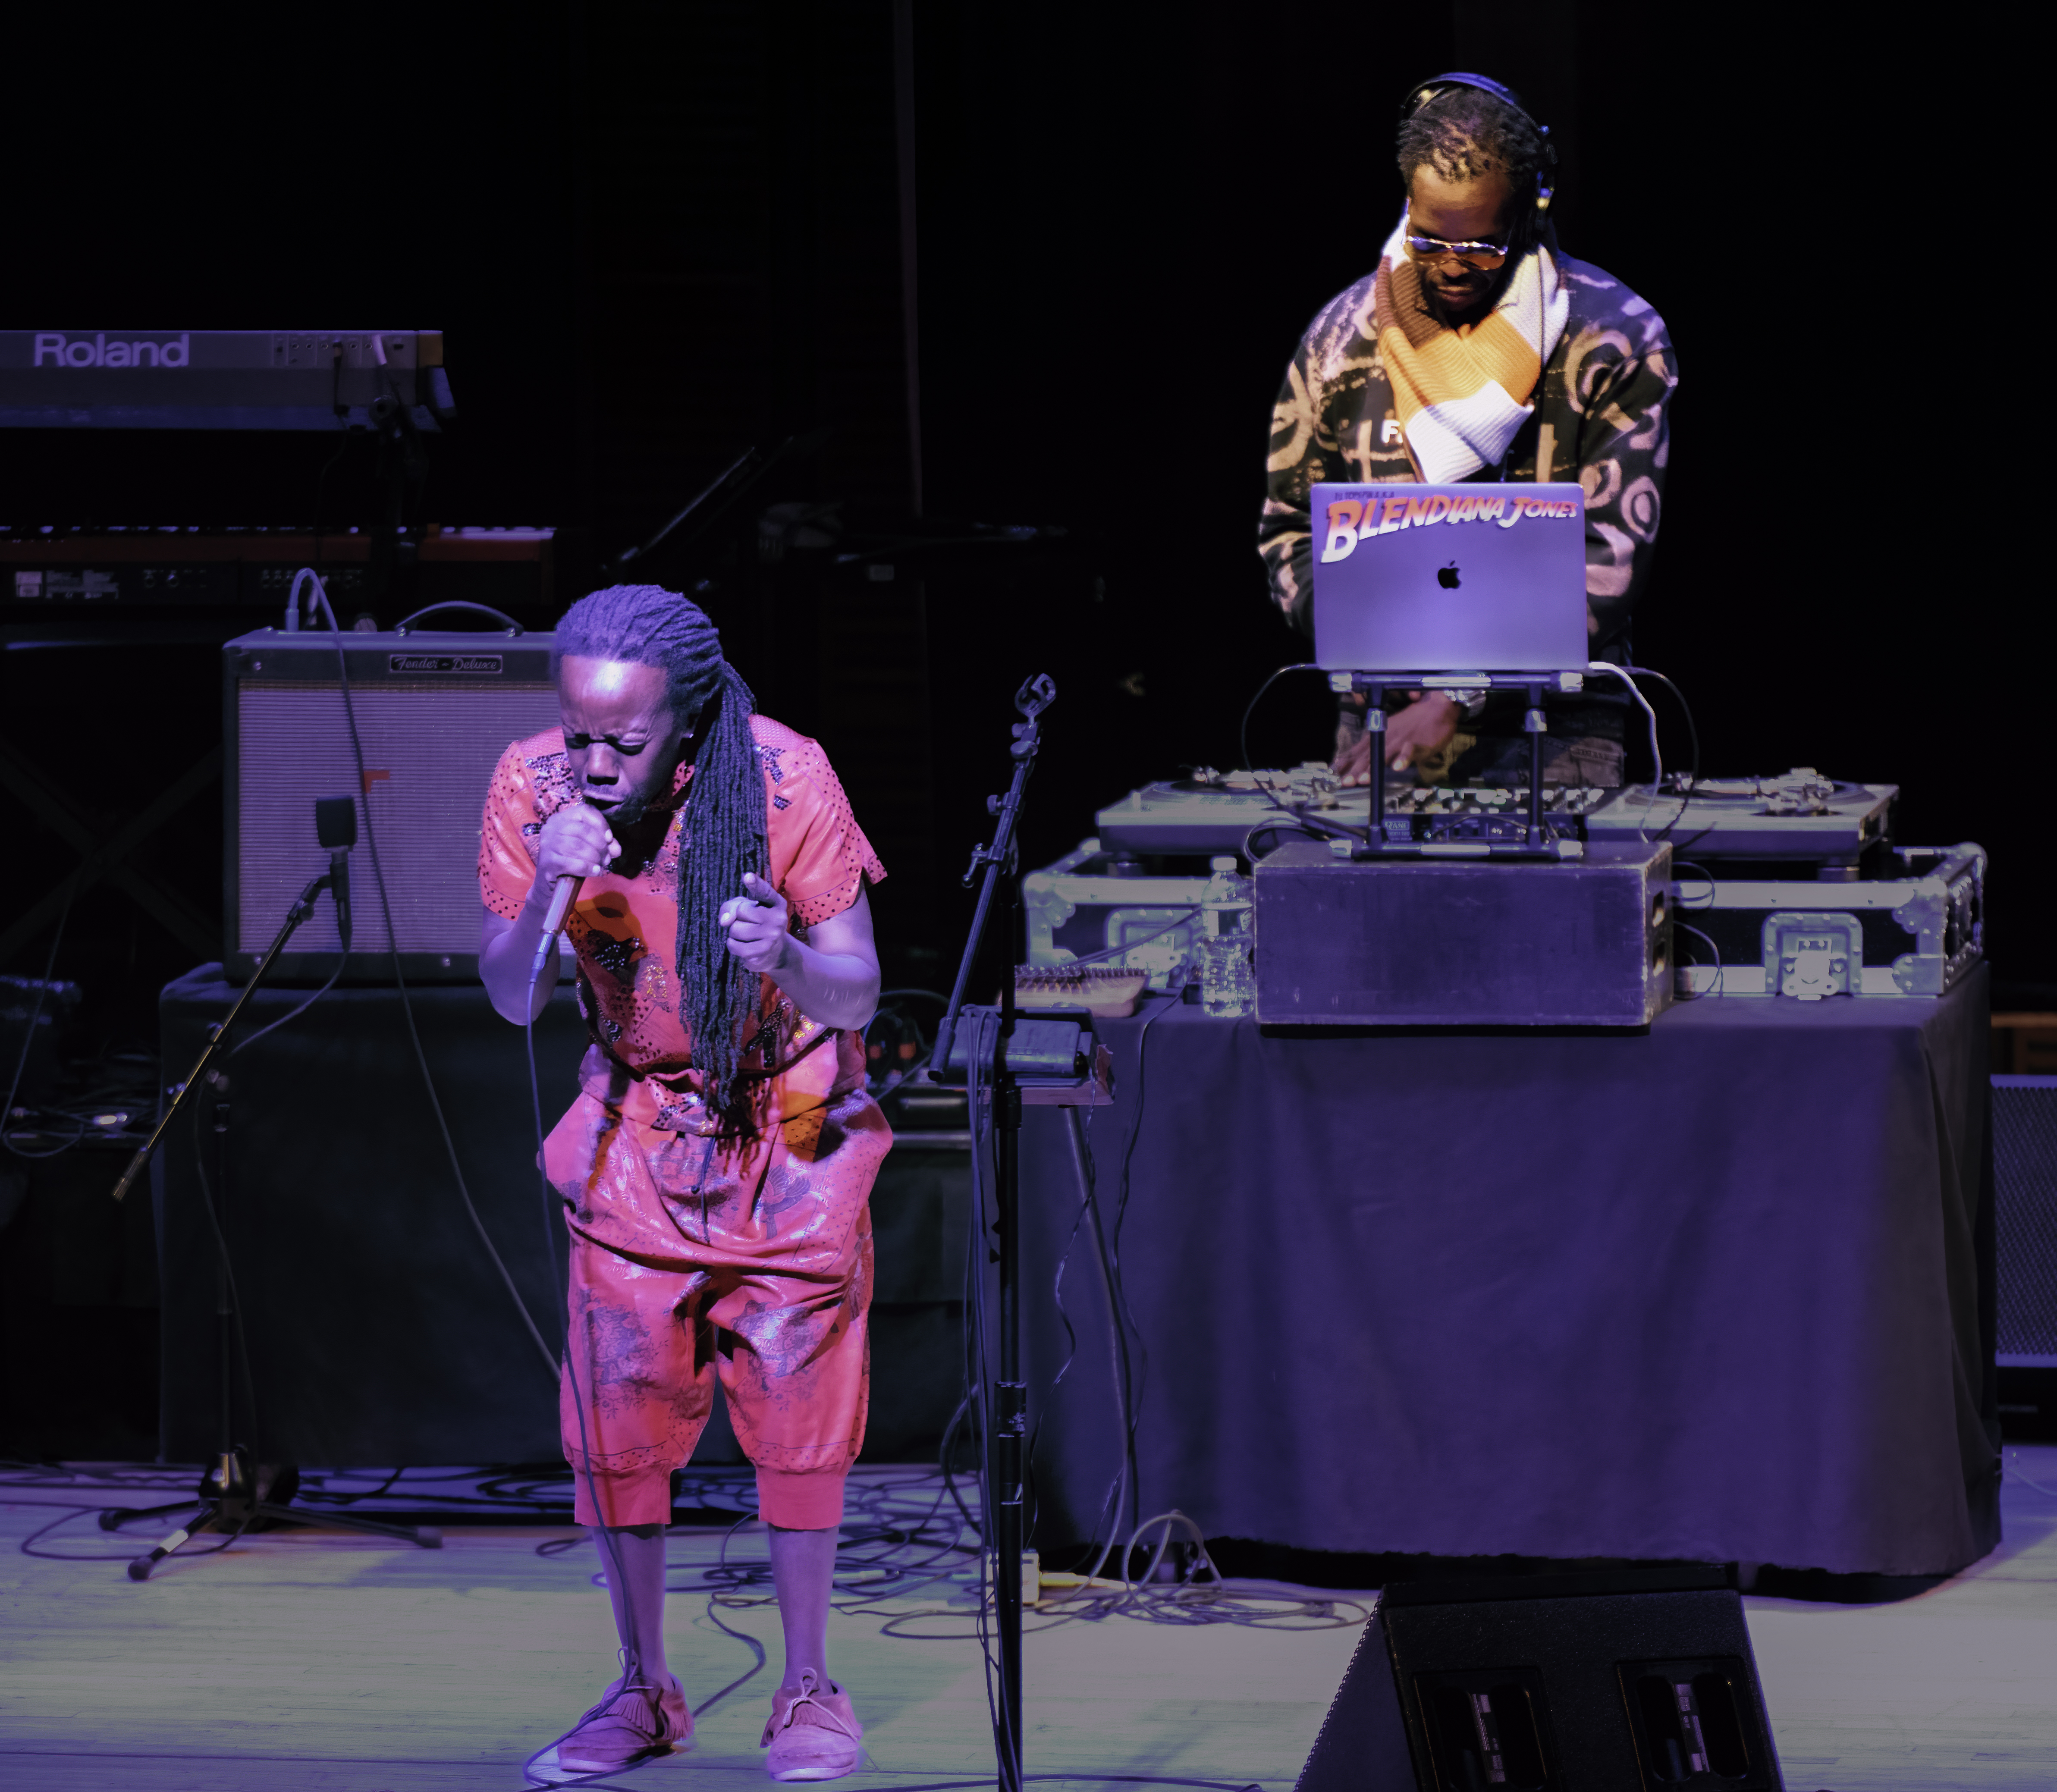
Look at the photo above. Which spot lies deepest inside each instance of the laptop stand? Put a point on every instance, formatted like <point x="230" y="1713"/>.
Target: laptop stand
<point x="1394" y="836"/>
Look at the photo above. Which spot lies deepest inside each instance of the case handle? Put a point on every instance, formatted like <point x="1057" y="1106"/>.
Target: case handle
<point x="501" y="616"/>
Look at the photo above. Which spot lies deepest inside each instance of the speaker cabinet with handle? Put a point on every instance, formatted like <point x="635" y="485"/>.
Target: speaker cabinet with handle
<point x="433" y="712"/>
<point x="2024" y="1147"/>
<point x="1622" y="1682"/>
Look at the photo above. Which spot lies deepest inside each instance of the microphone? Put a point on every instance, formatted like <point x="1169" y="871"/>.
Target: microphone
<point x="335" y="827"/>
<point x="561" y="899"/>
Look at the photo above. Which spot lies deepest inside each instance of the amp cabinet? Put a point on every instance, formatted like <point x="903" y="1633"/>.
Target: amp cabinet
<point x="2025" y="1148"/>
<point x="433" y="712"/>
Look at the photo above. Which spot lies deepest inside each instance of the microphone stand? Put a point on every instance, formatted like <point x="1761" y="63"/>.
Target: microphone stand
<point x="715" y="500"/>
<point x="237" y="1491"/>
<point x="1007" y="1402"/>
<point x="337" y="877"/>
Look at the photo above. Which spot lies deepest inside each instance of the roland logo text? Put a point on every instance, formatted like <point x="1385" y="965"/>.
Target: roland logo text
<point x="55" y="349"/>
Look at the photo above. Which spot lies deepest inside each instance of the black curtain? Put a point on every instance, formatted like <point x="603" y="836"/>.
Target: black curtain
<point x="655" y="234"/>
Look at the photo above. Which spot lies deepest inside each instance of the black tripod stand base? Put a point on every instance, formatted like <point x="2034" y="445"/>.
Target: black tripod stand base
<point x="238" y="1516"/>
<point x="116" y="1516"/>
<point x="422" y="1536"/>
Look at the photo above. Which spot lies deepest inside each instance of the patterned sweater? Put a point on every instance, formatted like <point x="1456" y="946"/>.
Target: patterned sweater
<point x="1601" y="417"/>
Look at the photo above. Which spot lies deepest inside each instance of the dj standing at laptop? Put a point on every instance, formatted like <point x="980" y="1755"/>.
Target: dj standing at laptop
<point x="1428" y="369"/>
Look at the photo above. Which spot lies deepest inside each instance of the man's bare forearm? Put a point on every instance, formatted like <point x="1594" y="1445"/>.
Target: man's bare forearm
<point x="507" y="950"/>
<point x="837" y="989"/>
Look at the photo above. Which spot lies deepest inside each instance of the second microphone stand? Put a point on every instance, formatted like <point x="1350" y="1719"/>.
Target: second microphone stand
<point x="1007" y="1412"/>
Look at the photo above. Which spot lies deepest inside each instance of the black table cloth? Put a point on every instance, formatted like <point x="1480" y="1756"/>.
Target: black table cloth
<point x="1719" y="1291"/>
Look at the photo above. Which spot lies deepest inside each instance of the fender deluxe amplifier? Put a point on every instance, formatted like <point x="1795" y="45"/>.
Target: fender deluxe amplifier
<point x="435" y="710"/>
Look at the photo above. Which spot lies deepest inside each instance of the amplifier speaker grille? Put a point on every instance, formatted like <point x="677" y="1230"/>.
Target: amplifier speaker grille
<point x="429" y="751"/>
<point x="2025" y="1214"/>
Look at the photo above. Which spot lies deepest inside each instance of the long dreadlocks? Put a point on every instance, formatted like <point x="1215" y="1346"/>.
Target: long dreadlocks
<point x="646" y="626"/>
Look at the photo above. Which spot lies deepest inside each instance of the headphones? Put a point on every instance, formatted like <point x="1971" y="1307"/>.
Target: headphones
<point x="1423" y="92"/>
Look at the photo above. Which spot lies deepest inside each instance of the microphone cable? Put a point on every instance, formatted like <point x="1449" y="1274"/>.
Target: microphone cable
<point x="632" y="1662"/>
<point x="294" y="1014"/>
<point x="29" y="1040"/>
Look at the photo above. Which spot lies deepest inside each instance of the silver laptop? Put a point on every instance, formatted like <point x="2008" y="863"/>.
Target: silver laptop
<point x="1449" y="578"/>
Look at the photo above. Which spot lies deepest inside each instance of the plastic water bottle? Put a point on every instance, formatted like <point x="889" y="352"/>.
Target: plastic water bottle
<point x="1228" y="989"/>
<point x="1225" y="903"/>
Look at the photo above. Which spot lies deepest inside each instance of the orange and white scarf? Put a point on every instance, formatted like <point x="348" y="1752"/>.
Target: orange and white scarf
<point x="1463" y="392"/>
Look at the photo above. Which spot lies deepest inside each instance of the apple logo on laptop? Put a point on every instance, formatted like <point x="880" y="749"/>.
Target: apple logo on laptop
<point x="1446" y="577"/>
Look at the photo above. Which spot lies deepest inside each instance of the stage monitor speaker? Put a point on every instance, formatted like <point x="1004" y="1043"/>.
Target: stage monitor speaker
<point x="433" y="712"/>
<point x="2024" y="1146"/>
<point x="1622" y="1682"/>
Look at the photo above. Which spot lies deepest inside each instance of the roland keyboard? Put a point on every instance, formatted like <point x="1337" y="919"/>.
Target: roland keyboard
<point x="220" y="379"/>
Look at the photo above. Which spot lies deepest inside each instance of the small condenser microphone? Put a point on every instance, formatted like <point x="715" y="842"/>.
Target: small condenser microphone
<point x="561" y="899"/>
<point x="335" y="827"/>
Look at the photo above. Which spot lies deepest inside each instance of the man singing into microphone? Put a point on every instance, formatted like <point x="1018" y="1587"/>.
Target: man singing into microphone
<point x="716" y="1165"/>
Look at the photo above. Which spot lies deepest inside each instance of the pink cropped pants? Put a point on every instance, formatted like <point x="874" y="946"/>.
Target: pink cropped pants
<point x="751" y="1263"/>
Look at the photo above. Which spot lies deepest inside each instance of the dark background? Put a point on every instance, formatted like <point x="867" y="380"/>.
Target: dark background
<point x="654" y="235"/>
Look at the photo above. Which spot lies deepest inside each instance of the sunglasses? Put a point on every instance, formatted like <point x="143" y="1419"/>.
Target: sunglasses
<point x="1471" y="255"/>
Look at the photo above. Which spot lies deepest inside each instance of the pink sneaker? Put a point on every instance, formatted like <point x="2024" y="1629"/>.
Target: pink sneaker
<point x="812" y="1733"/>
<point x="631" y="1723"/>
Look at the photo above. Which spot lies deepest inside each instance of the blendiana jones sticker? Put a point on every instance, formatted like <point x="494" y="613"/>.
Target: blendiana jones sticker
<point x="1352" y="520"/>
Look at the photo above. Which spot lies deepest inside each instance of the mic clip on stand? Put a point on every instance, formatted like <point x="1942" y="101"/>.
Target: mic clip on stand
<point x="336" y="878"/>
<point x="303" y="906"/>
<point x="237" y="1493"/>
<point x="1043" y="1061"/>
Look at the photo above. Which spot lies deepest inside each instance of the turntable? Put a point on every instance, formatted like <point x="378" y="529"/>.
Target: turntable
<point x="1208" y="812"/>
<point x="1799" y="816"/>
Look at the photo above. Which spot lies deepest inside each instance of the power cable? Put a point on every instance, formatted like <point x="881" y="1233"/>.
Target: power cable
<point x="29" y="1040"/>
<point x="342" y="958"/>
<point x="1687" y="928"/>
<point x="1120" y="1216"/>
<point x="1177" y="920"/>
<point x="2014" y="1473"/>
<point x="1243" y="728"/>
<point x="235" y="1295"/>
<point x="1656" y="755"/>
<point x="27" y="1545"/>
<point x="1686" y="710"/>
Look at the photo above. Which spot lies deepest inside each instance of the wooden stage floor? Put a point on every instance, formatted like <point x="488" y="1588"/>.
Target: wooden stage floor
<point x="314" y="1661"/>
